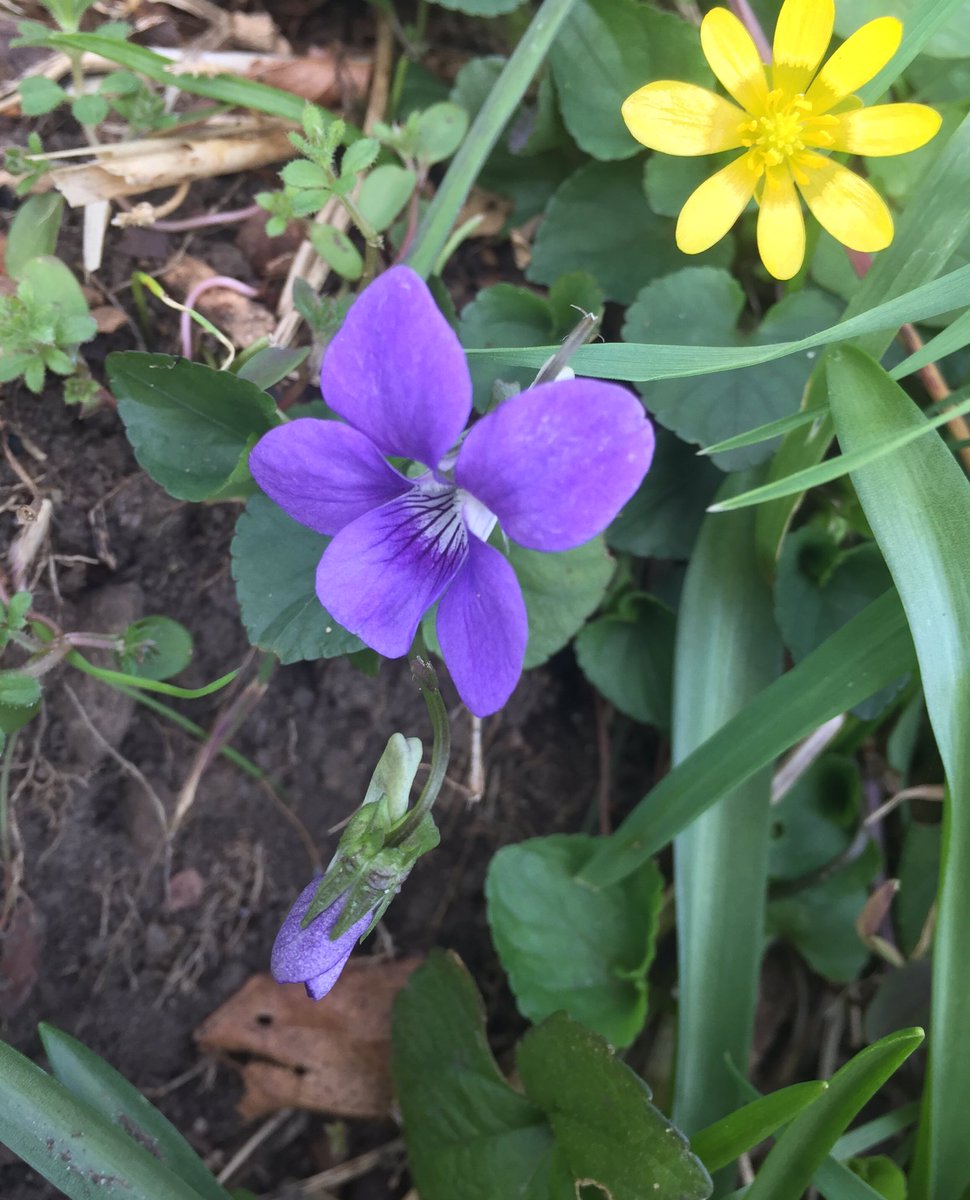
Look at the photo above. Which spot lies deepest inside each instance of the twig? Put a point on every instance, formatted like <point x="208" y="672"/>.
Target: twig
<point x="128" y="767"/>
<point x="252" y="1144"/>
<point x="344" y="1172"/>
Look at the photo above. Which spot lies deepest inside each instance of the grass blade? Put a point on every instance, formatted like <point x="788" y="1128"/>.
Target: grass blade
<point x="75" y="1148"/>
<point x="96" y="1083"/>
<point x="721" y="1143"/>
<point x="918" y="505"/>
<point x="728" y="650"/>
<point x="871" y="650"/>
<point x="502" y="102"/>
<point x="805" y="1144"/>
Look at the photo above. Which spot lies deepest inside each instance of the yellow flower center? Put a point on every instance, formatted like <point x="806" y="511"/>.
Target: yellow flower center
<point x="784" y="130"/>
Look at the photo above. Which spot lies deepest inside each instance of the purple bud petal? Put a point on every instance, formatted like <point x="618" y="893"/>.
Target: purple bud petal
<point x="309" y="956"/>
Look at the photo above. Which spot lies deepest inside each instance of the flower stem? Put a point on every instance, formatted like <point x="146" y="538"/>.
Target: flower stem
<point x="484" y="133"/>
<point x="427" y="681"/>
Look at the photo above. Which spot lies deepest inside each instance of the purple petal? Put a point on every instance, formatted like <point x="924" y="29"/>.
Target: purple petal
<point x="558" y="462"/>
<point x="396" y="370"/>
<point x="382" y="572"/>
<point x="483" y="629"/>
<point x="323" y="473"/>
<point x="309" y="955"/>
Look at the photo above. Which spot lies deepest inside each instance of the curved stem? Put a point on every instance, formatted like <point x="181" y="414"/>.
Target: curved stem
<point x="427" y="681"/>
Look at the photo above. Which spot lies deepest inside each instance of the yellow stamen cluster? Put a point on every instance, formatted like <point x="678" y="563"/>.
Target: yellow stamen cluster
<point x="783" y="130"/>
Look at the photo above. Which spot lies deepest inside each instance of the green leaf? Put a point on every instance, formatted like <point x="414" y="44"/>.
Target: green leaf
<point x="480" y="8"/>
<point x="77" y="1149"/>
<point x="33" y="231"/>
<point x="19" y="690"/>
<point x="274" y="564"/>
<point x="441" y="129"/>
<point x="359" y="156"/>
<point x="53" y="284"/>
<point x="560" y="591"/>
<point x="155" y="648"/>
<point x="918" y="505"/>
<point x="669" y="180"/>
<point x="190" y="426"/>
<point x="607" y="1131"/>
<point x="918" y="871"/>
<point x="819" y="586"/>
<point x="271" y="364"/>
<point x="89" y="109"/>
<point x="720" y="1144"/>
<point x="607" y="49"/>
<point x="700" y="306"/>
<point x="303" y="174"/>
<point x="727" y="652"/>
<point x="663" y="517"/>
<point x="881" y="1174"/>
<point x="622" y="250"/>
<point x="868" y="652"/>
<point x="383" y="194"/>
<point x="39" y="95"/>
<point x="629" y="658"/>
<point x="820" y="920"/>
<point x="564" y="947"/>
<point x="803" y="1147"/>
<point x="814" y="822"/>
<point x="503" y="315"/>
<point x="468" y="1133"/>
<point x="337" y="250"/>
<point x="98" y="1085"/>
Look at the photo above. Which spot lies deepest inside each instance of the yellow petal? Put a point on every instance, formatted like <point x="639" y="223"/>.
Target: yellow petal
<point x="846" y="205"/>
<point x="734" y="59"/>
<point x="802" y="36"/>
<point x="682" y="118"/>
<point x="712" y="208"/>
<point x="886" y="129"/>
<point x="857" y="60"/>
<point x="781" y="226"/>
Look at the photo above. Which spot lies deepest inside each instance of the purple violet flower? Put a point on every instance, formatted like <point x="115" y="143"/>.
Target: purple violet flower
<point x="308" y="956"/>
<point x="553" y="466"/>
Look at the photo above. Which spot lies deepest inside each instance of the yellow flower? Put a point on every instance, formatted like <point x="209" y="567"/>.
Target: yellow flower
<point x="788" y="114"/>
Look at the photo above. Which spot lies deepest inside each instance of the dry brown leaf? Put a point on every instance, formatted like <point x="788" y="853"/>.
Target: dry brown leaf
<point x="257" y="31"/>
<point x="325" y="76"/>
<point x="494" y="212"/>
<point x="330" y="1056"/>
<point x="108" y="318"/>
<point x="244" y="321"/>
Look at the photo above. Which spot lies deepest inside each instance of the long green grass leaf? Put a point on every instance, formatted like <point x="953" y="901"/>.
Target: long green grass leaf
<point x="920" y="26"/>
<point x="728" y="650"/>
<point x="75" y="1148"/>
<point x="843" y="464"/>
<point x="805" y="1144"/>
<point x="868" y="652"/>
<point x="502" y="101"/>
<point x="721" y="1143"/>
<point x="96" y="1083"/>
<point x="918" y="505"/>
<point x="642" y="361"/>
<point x="228" y="89"/>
